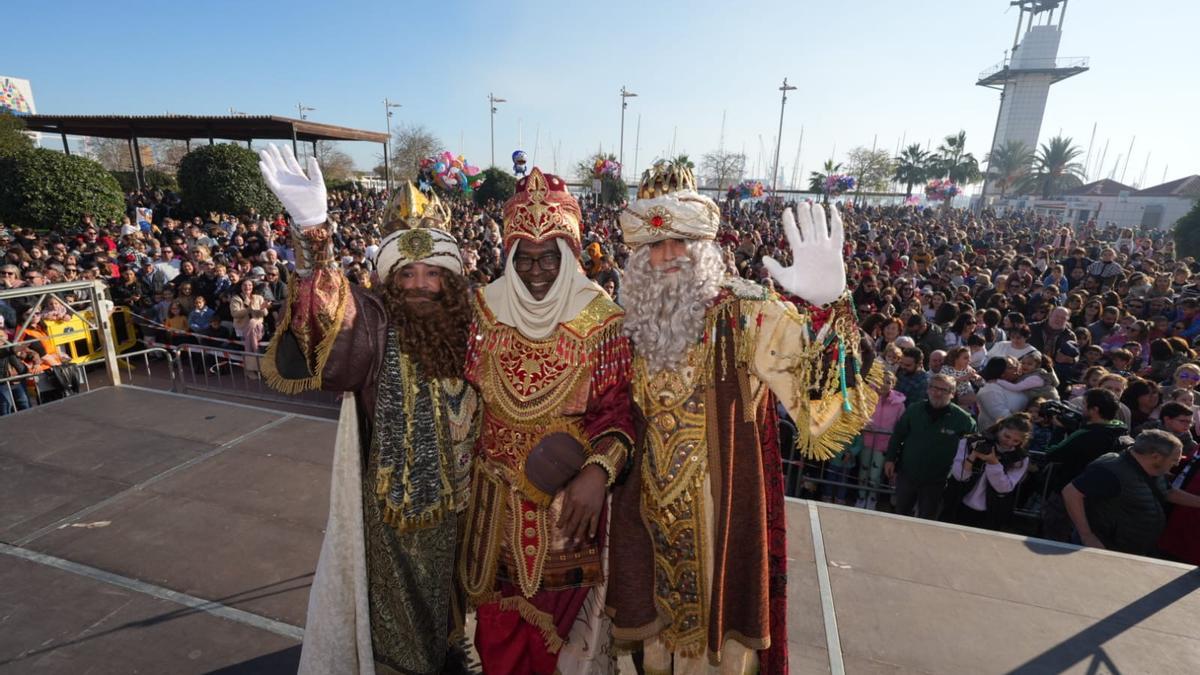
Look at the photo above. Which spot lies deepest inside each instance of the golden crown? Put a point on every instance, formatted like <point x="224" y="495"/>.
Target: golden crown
<point x="665" y="177"/>
<point x="410" y="209"/>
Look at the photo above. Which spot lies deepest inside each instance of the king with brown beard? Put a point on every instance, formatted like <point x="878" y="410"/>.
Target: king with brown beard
<point x="383" y="598"/>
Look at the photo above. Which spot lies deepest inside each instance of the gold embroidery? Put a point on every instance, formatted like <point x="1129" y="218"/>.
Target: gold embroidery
<point x="674" y="468"/>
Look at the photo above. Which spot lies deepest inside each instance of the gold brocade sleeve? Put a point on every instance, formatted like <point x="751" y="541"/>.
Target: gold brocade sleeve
<point x="610" y="454"/>
<point x="811" y="368"/>
<point x="318" y="302"/>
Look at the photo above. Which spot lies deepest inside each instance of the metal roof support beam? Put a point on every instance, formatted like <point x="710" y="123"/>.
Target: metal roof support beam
<point x="139" y="171"/>
<point x="133" y="163"/>
<point x="66" y="148"/>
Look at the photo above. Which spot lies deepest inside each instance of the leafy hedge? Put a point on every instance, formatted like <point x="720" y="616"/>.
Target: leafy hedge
<point x="1187" y="233"/>
<point x="498" y="184"/>
<point x="48" y="189"/>
<point x="224" y="178"/>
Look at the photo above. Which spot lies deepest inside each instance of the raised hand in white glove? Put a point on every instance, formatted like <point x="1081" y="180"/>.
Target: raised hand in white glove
<point x="818" y="272"/>
<point x="303" y="196"/>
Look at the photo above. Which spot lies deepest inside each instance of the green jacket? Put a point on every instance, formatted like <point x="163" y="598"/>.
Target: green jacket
<point x="922" y="447"/>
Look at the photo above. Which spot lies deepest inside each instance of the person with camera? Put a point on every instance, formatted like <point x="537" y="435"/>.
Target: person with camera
<point x="985" y="474"/>
<point x="1100" y="433"/>
<point x="1119" y="502"/>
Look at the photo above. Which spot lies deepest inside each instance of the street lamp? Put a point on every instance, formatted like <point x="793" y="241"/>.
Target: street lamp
<point x="387" y="147"/>
<point x="301" y="109"/>
<point x="492" y="101"/>
<point x="779" y="139"/>
<point x="625" y="94"/>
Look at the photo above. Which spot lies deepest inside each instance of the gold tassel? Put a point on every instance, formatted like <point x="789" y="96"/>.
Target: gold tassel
<point x="536" y="618"/>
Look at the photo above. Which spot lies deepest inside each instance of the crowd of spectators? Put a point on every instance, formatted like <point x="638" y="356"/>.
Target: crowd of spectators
<point x="1017" y="349"/>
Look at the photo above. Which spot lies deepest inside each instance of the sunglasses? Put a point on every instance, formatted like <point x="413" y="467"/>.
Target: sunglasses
<point x="1189" y="376"/>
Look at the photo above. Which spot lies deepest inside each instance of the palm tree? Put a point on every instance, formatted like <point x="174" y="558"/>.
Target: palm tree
<point x="1054" y="169"/>
<point x="954" y="162"/>
<point x="816" y="179"/>
<point x="1008" y="164"/>
<point x="912" y="167"/>
<point x="682" y="160"/>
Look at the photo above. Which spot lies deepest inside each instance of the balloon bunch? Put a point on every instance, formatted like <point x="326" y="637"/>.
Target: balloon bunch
<point x="606" y="167"/>
<point x="518" y="158"/>
<point x="452" y="173"/>
<point x="749" y="189"/>
<point x="938" y="190"/>
<point x="837" y="183"/>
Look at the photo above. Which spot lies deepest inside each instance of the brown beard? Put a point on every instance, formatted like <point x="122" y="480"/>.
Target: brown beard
<point x="432" y="333"/>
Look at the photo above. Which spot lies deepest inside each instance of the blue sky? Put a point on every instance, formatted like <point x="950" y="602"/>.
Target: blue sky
<point x="865" y="69"/>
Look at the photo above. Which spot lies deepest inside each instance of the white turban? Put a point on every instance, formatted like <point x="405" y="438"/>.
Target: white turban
<point x="424" y="245"/>
<point x="682" y="214"/>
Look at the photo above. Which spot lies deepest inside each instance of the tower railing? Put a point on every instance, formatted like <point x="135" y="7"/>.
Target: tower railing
<point x="1035" y="65"/>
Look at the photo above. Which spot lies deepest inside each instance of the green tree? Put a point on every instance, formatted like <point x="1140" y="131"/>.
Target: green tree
<point x="1054" y="169"/>
<point x="816" y="179"/>
<point x="498" y="185"/>
<point x="1187" y="233"/>
<point x="1008" y="164"/>
<point x="224" y="178"/>
<point x="871" y="168"/>
<point x="954" y="162"/>
<point x="48" y="189"/>
<point x="912" y="168"/>
<point x="12" y="134"/>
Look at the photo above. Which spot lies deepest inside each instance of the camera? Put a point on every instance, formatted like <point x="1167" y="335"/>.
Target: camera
<point x="1068" y="417"/>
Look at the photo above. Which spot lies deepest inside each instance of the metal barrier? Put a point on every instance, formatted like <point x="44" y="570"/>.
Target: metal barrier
<point x="216" y="370"/>
<point x="95" y="319"/>
<point x="831" y="480"/>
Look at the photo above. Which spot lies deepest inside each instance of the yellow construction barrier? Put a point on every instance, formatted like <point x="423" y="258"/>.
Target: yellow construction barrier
<point x="81" y="343"/>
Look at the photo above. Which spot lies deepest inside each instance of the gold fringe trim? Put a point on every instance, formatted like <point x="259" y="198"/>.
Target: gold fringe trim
<point x="833" y="440"/>
<point x="536" y="618"/>
<point x="268" y="369"/>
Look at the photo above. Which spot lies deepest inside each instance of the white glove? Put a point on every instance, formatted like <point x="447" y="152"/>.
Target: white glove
<point x="303" y="196"/>
<point x="818" y="272"/>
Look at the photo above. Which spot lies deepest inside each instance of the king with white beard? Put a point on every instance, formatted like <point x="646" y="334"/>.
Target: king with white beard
<point x="698" y="537"/>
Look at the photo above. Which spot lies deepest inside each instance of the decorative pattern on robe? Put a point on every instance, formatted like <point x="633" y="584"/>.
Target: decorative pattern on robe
<point x="755" y="348"/>
<point x="577" y="382"/>
<point x="336" y="337"/>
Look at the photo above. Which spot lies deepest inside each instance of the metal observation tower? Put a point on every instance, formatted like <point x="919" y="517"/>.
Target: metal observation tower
<point x="1027" y="71"/>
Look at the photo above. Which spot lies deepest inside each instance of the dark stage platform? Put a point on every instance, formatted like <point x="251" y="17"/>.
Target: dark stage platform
<point x="149" y="532"/>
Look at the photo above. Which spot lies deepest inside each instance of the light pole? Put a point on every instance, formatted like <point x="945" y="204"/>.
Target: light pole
<point x="779" y="139"/>
<point x="625" y="94"/>
<point x="387" y="147"/>
<point x="301" y="109"/>
<point x="492" y="101"/>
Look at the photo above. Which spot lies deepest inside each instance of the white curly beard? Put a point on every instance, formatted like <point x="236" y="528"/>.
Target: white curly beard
<point x="664" y="313"/>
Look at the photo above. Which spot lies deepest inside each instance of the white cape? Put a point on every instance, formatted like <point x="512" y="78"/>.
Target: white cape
<point x="337" y="633"/>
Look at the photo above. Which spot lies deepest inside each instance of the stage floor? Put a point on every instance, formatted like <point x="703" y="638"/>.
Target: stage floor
<point x="149" y="532"/>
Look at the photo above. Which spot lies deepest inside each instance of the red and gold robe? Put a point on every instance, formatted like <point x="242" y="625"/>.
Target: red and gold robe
<point x="575" y="381"/>
<point x="698" y="535"/>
